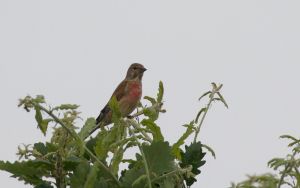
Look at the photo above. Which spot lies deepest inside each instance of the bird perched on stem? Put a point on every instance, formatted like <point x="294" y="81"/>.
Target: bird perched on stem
<point x="128" y="95"/>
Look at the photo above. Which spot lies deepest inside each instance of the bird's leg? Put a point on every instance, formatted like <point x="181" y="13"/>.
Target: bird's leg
<point x="130" y="117"/>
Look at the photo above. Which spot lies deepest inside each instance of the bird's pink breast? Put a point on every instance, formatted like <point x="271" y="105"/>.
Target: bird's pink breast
<point x="135" y="90"/>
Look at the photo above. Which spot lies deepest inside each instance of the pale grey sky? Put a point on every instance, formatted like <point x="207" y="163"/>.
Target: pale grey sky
<point x="78" y="51"/>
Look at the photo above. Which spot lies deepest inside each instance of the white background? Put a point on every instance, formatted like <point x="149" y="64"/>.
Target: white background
<point x="78" y="51"/>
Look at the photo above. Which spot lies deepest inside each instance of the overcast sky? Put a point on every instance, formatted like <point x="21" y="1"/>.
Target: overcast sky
<point x="78" y="51"/>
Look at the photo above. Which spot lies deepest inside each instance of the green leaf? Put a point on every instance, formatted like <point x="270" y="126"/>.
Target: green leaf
<point x="102" y="183"/>
<point x="89" y="125"/>
<point x="140" y="181"/>
<point x="80" y="174"/>
<point x="66" y="107"/>
<point x="114" y="106"/>
<point x="116" y="160"/>
<point x="159" y="157"/>
<point x="106" y="139"/>
<point x="222" y="99"/>
<point x="29" y="171"/>
<point x="152" y="100"/>
<point x="210" y="150"/>
<point x="199" y="114"/>
<point x="131" y="175"/>
<point x="92" y="177"/>
<point x="176" y="146"/>
<point x="39" y="99"/>
<point x="206" y="93"/>
<point x="71" y="163"/>
<point x="167" y="183"/>
<point x="151" y="113"/>
<point x="41" y="148"/>
<point x="44" y="185"/>
<point x="275" y="163"/>
<point x="289" y="137"/>
<point x="155" y="130"/>
<point x="160" y="92"/>
<point x="42" y="124"/>
<point x="101" y="147"/>
<point x="193" y="156"/>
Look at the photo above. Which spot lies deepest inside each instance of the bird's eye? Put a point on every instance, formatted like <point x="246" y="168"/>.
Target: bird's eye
<point x="134" y="68"/>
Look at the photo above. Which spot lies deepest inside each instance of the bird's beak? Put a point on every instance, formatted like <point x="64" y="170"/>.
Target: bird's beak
<point x="144" y="69"/>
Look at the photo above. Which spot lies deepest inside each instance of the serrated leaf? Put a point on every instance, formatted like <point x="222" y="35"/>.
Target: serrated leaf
<point x="152" y="100"/>
<point x="176" y="146"/>
<point x="160" y="92"/>
<point x="44" y="185"/>
<point x="66" y="107"/>
<point x="193" y="155"/>
<point x="41" y="148"/>
<point x="155" y="130"/>
<point x="89" y="125"/>
<point x="159" y="157"/>
<point x="29" y="171"/>
<point x="131" y="175"/>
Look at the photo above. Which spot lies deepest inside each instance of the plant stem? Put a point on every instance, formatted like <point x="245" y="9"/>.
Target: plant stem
<point x="138" y="127"/>
<point x="171" y="173"/>
<point x="60" y="180"/>
<point x="211" y="98"/>
<point x="143" y="156"/>
<point x="76" y="137"/>
<point x="286" y="169"/>
<point x="283" y="175"/>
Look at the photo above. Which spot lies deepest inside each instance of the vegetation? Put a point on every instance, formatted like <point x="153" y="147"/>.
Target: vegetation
<point x="286" y="170"/>
<point x="74" y="158"/>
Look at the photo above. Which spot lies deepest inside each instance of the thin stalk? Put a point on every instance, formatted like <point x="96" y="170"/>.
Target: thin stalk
<point x="60" y="180"/>
<point x="171" y="173"/>
<point x="211" y="98"/>
<point x="76" y="137"/>
<point x="286" y="169"/>
<point x="138" y="127"/>
<point x="143" y="156"/>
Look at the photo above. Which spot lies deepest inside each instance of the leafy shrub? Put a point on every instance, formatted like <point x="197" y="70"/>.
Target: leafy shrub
<point x="74" y="158"/>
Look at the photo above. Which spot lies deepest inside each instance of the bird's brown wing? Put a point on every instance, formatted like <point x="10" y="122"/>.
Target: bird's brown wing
<point x="119" y="92"/>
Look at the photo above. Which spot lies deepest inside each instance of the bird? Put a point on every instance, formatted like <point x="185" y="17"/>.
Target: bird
<point x="128" y="94"/>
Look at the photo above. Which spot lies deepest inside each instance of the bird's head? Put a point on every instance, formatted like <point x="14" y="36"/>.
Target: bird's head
<point x="135" y="71"/>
